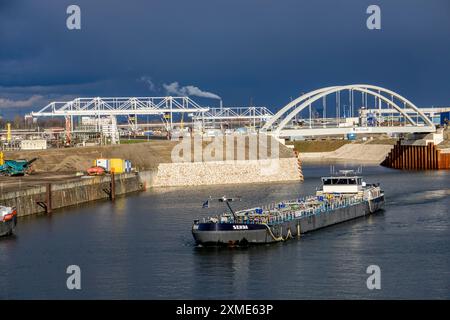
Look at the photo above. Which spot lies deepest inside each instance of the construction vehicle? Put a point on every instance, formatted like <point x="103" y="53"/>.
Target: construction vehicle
<point x="16" y="167"/>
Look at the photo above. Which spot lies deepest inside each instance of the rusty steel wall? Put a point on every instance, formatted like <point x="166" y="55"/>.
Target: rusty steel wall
<point x="417" y="157"/>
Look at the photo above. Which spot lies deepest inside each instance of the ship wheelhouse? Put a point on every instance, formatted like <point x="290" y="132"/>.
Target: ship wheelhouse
<point x="342" y="184"/>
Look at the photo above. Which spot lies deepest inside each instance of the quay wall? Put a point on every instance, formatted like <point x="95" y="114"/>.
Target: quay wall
<point x="32" y="200"/>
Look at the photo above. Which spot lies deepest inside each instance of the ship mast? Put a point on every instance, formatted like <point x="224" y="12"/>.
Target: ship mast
<point x="227" y="202"/>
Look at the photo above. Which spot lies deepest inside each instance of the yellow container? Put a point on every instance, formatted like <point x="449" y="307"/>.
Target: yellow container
<point x="117" y="165"/>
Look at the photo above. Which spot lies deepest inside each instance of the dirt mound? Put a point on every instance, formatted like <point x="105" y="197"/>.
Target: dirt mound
<point x="73" y="163"/>
<point x="144" y="155"/>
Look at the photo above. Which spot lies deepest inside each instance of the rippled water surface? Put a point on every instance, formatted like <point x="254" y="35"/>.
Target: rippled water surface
<point x="141" y="247"/>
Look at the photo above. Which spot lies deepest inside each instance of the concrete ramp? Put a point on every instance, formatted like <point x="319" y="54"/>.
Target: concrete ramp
<point x="362" y="152"/>
<point x="373" y="153"/>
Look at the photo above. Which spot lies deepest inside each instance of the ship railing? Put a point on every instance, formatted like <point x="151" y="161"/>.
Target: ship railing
<point x="326" y="207"/>
<point x="289" y="214"/>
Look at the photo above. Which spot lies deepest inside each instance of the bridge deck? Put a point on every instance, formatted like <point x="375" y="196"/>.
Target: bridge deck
<point x="343" y="131"/>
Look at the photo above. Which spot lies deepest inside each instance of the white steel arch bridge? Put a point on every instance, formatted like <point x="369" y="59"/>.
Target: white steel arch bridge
<point x="285" y="122"/>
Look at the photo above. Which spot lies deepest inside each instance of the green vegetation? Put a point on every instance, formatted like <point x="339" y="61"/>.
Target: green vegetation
<point x="131" y="141"/>
<point x="318" y="145"/>
<point x="387" y="141"/>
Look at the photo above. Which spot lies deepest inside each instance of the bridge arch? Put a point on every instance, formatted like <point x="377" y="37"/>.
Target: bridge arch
<point x="293" y="104"/>
<point x="403" y="99"/>
<point x="305" y="104"/>
<point x="305" y="100"/>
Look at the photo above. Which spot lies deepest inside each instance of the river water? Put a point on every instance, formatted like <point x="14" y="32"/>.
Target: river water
<point x="141" y="247"/>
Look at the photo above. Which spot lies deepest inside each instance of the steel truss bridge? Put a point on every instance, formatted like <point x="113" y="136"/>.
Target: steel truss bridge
<point x="120" y="106"/>
<point x="369" y="97"/>
<point x="132" y="106"/>
<point x="255" y="115"/>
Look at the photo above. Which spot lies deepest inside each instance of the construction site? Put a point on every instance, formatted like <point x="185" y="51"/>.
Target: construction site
<point x="88" y="139"/>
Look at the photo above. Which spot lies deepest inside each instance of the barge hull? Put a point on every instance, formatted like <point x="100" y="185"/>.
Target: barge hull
<point x="264" y="234"/>
<point x="340" y="215"/>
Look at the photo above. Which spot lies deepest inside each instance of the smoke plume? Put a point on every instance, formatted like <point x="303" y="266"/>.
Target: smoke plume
<point x="175" y="89"/>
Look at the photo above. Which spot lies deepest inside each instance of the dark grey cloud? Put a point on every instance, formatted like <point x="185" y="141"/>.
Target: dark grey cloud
<point x="262" y="49"/>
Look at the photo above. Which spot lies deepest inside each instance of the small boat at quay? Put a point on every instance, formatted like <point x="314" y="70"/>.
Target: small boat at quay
<point x="8" y="220"/>
<point x="342" y="197"/>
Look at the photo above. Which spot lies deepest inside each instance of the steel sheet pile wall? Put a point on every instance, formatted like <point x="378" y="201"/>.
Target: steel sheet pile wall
<point x="414" y="157"/>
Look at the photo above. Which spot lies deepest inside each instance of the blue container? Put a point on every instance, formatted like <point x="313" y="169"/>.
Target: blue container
<point x="445" y="118"/>
<point x="258" y="210"/>
<point x="351" y="136"/>
<point x="127" y="166"/>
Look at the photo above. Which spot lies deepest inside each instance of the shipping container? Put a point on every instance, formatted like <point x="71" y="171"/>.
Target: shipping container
<point x="104" y="163"/>
<point x="127" y="166"/>
<point x="117" y="165"/>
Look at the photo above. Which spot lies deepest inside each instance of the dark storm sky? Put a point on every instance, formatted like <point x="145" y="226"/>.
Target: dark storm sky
<point x="263" y="50"/>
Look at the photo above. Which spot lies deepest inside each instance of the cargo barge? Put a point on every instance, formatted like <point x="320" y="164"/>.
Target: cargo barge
<point x="342" y="197"/>
<point x="8" y="220"/>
